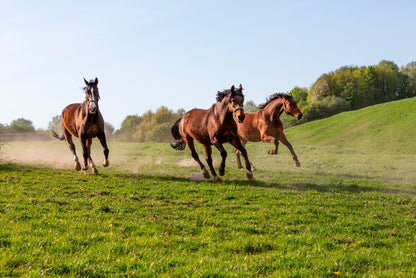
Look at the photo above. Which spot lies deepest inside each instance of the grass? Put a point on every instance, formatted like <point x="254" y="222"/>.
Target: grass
<point x="347" y="212"/>
<point x="387" y="128"/>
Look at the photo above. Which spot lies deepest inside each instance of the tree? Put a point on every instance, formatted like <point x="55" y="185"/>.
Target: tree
<point x="410" y="71"/>
<point x="109" y="131"/>
<point x="299" y="94"/>
<point x="250" y="106"/>
<point x="55" y="123"/>
<point x="151" y="120"/>
<point x="22" y="125"/>
<point x="128" y="128"/>
<point x="388" y="79"/>
<point x="321" y="88"/>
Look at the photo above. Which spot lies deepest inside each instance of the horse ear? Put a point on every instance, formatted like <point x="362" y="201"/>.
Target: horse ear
<point x="232" y="91"/>
<point x="96" y="81"/>
<point x="86" y="82"/>
<point x="241" y="87"/>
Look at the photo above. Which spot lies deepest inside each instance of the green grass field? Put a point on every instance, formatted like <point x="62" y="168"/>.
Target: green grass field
<point x="349" y="211"/>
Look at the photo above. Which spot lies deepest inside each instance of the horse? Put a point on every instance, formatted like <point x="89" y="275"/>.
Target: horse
<point x="213" y="126"/>
<point x="84" y="120"/>
<point x="265" y="125"/>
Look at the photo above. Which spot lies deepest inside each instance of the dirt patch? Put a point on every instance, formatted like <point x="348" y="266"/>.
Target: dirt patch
<point x="197" y="176"/>
<point x="187" y="163"/>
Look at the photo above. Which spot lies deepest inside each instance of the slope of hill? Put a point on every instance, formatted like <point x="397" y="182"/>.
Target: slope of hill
<point x="387" y="128"/>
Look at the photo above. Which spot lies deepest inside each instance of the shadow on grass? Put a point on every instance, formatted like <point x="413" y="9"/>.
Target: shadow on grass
<point x="352" y="185"/>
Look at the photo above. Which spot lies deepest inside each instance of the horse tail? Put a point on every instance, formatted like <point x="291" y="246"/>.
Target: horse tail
<point x="60" y="137"/>
<point x="180" y="144"/>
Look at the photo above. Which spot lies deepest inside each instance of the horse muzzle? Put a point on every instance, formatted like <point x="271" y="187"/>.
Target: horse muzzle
<point x="240" y="118"/>
<point x="239" y="114"/>
<point x="299" y="116"/>
<point x="92" y="108"/>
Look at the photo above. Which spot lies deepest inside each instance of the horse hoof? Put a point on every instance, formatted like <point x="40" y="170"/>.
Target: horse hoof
<point x="94" y="171"/>
<point x="253" y="168"/>
<point x="78" y="167"/>
<point x="221" y="171"/>
<point x="297" y="163"/>
<point x="216" y="178"/>
<point x="106" y="163"/>
<point x="206" y="174"/>
<point x="272" y="152"/>
<point x="85" y="173"/>
<point x="249" y="175"/>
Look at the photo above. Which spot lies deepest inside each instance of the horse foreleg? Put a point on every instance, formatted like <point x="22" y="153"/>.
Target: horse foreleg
<point x="94" y="169"/>
<point x="85" y="153"/>
<point x="237" y="156"/>
<point x="271" y="139"/>
<point x="103" y="142"/>
<point x="223" y="152"/>
<point x="195" y="156"/>
<point x="208" y="157"/>
<point x="237" y="144"/>
<point x="284" y="140"/>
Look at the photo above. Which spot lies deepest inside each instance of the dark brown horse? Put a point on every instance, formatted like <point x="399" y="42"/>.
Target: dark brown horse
<point x="214" y="126"/>
<point x="84" y="120"/>
<point x="265" y="125"/>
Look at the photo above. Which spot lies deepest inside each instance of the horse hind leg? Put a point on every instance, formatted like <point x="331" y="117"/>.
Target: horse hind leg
<point x="284" y="140"/>
<point x="68" y="138"/>
<point x="195" y="156"/>
<point x="208" y="157"/>
<point x="94" y="169"/>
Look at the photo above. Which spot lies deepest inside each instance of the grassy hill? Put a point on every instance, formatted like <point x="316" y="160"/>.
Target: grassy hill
<point x="387" y="128"/>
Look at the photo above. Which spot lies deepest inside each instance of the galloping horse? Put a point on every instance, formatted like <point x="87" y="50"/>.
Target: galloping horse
<point x="214" y="126"/>
<point x="84" y="120"/>
<point x="265" y="125"/>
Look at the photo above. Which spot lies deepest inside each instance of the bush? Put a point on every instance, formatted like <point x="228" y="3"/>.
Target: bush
<point x="160" y="133"/>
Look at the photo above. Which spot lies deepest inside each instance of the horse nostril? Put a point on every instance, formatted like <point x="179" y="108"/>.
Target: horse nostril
<point x="300" y="116"/>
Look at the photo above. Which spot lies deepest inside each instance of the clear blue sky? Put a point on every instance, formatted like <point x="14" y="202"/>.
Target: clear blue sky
<point x="180" y="53"/>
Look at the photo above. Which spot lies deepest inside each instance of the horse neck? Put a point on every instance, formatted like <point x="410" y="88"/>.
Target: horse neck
<point x="86" y="113"/>
<point x="221" y="109"/>
<point x="274" y="109"/>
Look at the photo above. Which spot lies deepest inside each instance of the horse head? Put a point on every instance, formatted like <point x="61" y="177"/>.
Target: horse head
<point x="92" y="95"/>
<point x="236" y="103"/>
<point x="290" y="107"/>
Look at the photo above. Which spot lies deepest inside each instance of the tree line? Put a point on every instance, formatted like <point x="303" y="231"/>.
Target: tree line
<point x="353" y="87"/>
<point x="347" y="88"/>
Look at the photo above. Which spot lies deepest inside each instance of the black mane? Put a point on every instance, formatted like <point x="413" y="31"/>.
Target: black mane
<point x="273" y="97"/>
<point x="223" y="94"/>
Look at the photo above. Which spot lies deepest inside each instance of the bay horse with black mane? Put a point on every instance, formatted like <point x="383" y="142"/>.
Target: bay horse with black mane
<point x="266" y="126"/>
<point x="213" y="126"/>
<point x="84" y="120"/>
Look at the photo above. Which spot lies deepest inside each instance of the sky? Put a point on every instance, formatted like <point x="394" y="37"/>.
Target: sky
<point x="178" y="54"/>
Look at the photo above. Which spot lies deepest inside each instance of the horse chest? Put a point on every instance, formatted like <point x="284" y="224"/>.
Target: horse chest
<point x="226" y="133"/>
